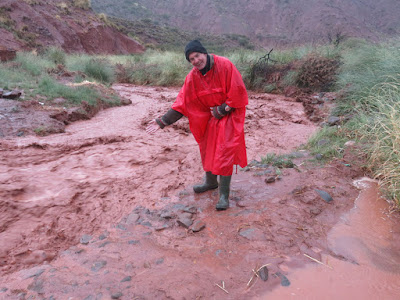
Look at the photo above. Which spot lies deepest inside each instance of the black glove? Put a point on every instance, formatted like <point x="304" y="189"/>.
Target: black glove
<point x="219" y="112"/>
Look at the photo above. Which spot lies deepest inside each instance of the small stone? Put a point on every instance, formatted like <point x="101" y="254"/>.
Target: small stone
<point x="127" y="278"/>
<point x="270" y="179"/>
<point x="263" y="273"/>
<point x="284" y="280"/>
<point x="252" y="234"/>
<point x="323" y="142"/>
<point x="198" y="226"/>
<point x="116" y="295"/>
<point x="147" y="224"/>
<point x="167" y="215"/>
<point x="162" y="227"/>
<point x="36" y="286"/>
<point x="324" y="195"/>
<point x="12" y="94"/>
<point x="315" y="211"/>
<point x="332" y="120"/>
<point x="319" y="156"/>
<point x="132" y="218"/>
<point x="121" y="226"/>
<point x="159" y="261"/>
<point x="190" y="209"/>
<point x="98" y="265"/>
<point x="185" y="222"/>
<point x="102" y="245"/>
<point x="85" y="239"/>
<point x="133" y="242"/>
<point x="3" y="290"/>
<point x="104" y="235"/>
<point x="34" y="273"/>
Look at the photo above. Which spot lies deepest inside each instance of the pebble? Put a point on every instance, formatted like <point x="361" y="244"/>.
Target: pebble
<point x="127" y="278"/>
<point x="159" y="261"/>
<point x="133" y="242"/>
<point x="185" y="222"/>
<point x="270" y="179"/>
<point x="198" y="226"/>
<point x="85" y="239"/>
<point x="116" y="295"/>
<point x="263" y="273"/>
<point x="132" y="219"/>
<point x="98" y="265"/>
<point x="324" y="195"/>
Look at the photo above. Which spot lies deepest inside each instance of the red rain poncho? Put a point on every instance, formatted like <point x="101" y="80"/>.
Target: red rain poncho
<point x="221" y="141"/>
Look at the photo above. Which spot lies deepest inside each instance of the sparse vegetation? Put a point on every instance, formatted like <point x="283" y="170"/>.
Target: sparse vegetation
<point x="84" y="4"/>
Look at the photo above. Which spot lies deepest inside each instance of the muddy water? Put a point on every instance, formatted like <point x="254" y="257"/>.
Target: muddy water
<point x="365" y="260"/>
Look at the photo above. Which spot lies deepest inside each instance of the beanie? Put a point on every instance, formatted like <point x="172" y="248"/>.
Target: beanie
<point x="194" y="46"/>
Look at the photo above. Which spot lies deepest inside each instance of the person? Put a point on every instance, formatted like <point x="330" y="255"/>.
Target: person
<point x="213" y="98"/>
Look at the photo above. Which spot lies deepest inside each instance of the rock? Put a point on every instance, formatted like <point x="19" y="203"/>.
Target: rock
<point x="190" y="209"/>
<point x="12" y="94"/>
<point x="133" y="242"/>
<point x="252" y="234"/>
<point x="161" y="227"/>
<point x="319" y="156"/>
<point x="59" y="101"/>
<point x="167" y="215"/>
<point x="33" y="273"/>
<point x="159" y="261"/>
<point x="36" y="286"/>
<point x="332" y="120"/>
<point x="104" y="235"/>
<point x="323" y="142"/>
<point x="116" y="295"/>
<point x="98" y="265"/>
<point x="132" y="219"/>
<point x="85" y="239"/>
<point x="185" y="222"/>
<point x="284" y="280"/>
<point x="127" y="278"/>
<point x="263" y="273"/>
<point x="315" y="211"/>
<point x="270" y="179"/>
<point x="349" y="143"/>
<point x="125" y="101"/>
<point x="324" y="195"/>
<point x="198" y="226"/>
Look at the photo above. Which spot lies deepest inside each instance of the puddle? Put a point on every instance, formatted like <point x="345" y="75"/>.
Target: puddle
<point x="365" y="260"/>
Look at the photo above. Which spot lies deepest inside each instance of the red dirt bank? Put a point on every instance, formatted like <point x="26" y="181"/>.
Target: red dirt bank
<point x="59" y="23"/>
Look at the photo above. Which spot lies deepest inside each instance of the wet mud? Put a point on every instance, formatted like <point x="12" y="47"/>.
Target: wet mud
<point x="106" y="211"/>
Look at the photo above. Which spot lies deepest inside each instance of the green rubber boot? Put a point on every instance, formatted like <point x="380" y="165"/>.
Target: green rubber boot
<point x="224" y="187"/>
<point x="210" y="183"/>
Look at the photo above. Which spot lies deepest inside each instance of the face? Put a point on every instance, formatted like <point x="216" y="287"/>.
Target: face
<point x="198" y="60"/>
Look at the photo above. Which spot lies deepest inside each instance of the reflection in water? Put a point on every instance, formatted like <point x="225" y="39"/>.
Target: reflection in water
<point x="365" y="256"/>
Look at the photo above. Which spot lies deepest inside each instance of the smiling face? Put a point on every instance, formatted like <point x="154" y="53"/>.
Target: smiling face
<point x="198" y="60"/>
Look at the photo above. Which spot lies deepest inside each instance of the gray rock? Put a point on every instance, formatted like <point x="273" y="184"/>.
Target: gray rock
<point x="323" y="142"/>
<point x="98" y="265"/>
<point x="252" y="234"/>
<point x="104" y="235"/>
<point x="132" y="219"/>
<point x="185" y="222"/>
<point x="3" y="290"/>
<point x="33" y="273"/>
<point x="324" y="195"/>
<point x="36" y="286"/>
<point x="319" y="156"/>
<point x="263" y="273"/>
<point x="85" y="239"/>
<point x="332" y="120"/>
<point x="159" y="261"/>
<point x="116" y="295"/>
<point x="270" y="179"/>
<point x="315" y="211"/>
<point x="133" y="242"/>
<point x="127" y="278"/>
<point x="198" y="226"/>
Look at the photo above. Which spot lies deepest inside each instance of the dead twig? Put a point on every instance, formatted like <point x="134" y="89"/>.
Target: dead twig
<point x="222" y="287"/>
<point x="317" y="261"/>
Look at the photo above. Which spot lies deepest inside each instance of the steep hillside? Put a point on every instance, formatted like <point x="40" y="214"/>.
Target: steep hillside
<point x="267" y="21"/>
<point x="69" y="24"/>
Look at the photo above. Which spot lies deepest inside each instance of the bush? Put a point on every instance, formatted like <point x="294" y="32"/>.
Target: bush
<point x="84" y="4"/>
<point x="317" y="73"/>
<point x="55" y="55"/>
<point x="99" y="69"/>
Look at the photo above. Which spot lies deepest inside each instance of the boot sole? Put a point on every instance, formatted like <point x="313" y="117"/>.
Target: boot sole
<point x="203" y="191"/>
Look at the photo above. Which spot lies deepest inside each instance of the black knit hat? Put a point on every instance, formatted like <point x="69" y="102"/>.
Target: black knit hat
<point x="194" y="46"/>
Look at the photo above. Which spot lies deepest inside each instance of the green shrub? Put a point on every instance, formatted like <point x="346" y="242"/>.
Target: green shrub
<point x="99" y="69"/>
<point x="55" y="55"/>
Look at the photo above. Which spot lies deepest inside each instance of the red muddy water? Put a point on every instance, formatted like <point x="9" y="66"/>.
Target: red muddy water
<point x="99" y="211"/>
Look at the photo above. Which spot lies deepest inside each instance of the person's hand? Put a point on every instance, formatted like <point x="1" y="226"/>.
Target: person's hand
<point x="152" y="127"/>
